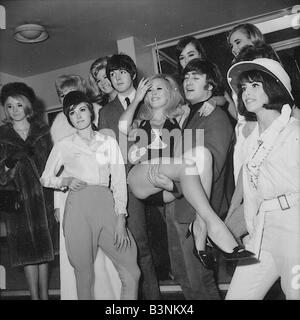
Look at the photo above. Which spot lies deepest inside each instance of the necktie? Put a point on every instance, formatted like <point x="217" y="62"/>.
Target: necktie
<point x="127" y="101"/>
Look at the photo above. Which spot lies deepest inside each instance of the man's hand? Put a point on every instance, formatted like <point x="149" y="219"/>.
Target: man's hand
<point x="122" y="240"/>
<point x="158" y="179"/>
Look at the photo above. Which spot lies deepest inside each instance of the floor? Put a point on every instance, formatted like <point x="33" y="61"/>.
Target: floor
<point x="16" y="288"/>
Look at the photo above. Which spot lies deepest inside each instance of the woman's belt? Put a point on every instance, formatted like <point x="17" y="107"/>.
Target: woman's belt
<point x="282" y="202"/>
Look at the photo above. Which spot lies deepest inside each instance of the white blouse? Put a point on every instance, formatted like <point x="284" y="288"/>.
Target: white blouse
<point x="94" y="164"/>
<point x="279" y="172"/>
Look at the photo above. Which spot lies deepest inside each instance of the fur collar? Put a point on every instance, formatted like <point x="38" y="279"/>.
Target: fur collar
<point x="9" y="136"/>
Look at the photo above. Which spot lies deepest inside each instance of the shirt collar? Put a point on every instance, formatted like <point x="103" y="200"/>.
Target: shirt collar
<point x="122" y="98"/>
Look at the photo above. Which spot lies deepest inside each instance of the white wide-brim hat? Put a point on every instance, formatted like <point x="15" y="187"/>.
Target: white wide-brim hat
<point x="270" y="66"/>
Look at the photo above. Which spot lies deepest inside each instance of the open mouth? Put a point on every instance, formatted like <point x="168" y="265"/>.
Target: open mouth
<point x="155" y="99"/>
<point x="249" y="100"/>
<point x="189" y="90"/>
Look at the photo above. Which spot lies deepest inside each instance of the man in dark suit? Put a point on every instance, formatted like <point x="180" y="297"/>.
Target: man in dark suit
<point x="202" y="80"/>
<point x="122" y="72"/>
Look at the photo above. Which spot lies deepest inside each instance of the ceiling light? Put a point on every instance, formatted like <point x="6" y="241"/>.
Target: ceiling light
<point x="30" y="33"/>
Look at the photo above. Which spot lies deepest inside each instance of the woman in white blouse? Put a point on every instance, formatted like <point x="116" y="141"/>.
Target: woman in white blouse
<point x="94" y="214"/>
<point x="269" y="181"/>
<point x="107" y="281"/>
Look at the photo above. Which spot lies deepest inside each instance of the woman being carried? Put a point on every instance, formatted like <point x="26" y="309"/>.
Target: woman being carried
<point x="192" y="170"/>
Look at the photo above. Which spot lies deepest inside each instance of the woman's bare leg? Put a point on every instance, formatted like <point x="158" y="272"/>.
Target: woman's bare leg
<point x="32" y="277"/>
<point x="196" y="189"/>
<point x="43" y="280"/>
<point x="200" y="233"/>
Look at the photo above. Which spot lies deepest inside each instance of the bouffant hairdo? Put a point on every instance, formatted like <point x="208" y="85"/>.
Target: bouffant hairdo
<point x="250" y="31"/>
<point x="182" y="43"/>
<point x="97" y="65"/>
<point x="175" y="99"/>
<point x="70" y="81"/>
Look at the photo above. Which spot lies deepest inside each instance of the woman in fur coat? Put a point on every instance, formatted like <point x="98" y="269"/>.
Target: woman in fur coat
<point x="25" y="145"/>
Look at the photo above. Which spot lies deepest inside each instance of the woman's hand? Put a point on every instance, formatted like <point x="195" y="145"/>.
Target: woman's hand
<point x="142" y="89"/>
<point x="56" y="214"/>
<point x="208" y="107"/>
<point x="122" y="240"/>
<point x="74" y="184"/>
<point x="12" y="160"/>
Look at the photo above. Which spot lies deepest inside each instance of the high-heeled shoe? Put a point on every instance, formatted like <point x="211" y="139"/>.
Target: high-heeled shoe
<point x="204" y="256"/>
<point x="238" y="253"/>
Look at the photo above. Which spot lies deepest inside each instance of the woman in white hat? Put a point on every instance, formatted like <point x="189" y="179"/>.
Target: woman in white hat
<point x="268" y="181"/>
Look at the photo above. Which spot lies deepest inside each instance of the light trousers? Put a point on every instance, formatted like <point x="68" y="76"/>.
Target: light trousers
<point x="279" y="257"/>
<point x="89" y="222"/>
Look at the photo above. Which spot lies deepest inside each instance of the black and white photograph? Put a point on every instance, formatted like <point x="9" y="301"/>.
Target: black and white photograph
<point x="150" y="152"/>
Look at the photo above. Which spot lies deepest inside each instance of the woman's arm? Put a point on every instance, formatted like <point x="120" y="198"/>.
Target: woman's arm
<point x="231" y="106"/>
<point x="54" y="162"/>
<point x="49" y="178"/>
<point x="8" y="162"/>
<point x="119" y="190"/>
<point x="126" y="119"/>
<point x="210" y="105"/>
<point x="4" y="174"/>
<point x="118" y="177"/>
<point x="237" y="197"/>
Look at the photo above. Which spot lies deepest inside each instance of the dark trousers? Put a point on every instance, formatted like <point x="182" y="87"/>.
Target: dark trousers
<point x="149" y="288"/>
<point x="158" y="240"/>
<point x="197" y="283"/>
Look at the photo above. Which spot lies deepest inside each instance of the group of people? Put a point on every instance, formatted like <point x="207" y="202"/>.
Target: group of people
<point x="117" y="147"/>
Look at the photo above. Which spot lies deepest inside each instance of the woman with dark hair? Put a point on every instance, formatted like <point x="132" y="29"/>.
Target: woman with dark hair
<point x="107" y="282"/>
<point x="189" y="48"/>
<point x="25" y="144"/>
<point x="269" y="180"/>
<point x="95" y="215"/>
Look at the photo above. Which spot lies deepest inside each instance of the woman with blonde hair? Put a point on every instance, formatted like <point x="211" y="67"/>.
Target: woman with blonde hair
<point x="154" y="147"/>
<point x="25" y="144"/>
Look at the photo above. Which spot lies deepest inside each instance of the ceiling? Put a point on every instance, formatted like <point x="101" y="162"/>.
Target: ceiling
<point x="84" y="30"/>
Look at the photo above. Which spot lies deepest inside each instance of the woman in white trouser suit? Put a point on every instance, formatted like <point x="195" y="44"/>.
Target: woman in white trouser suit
<point x="269" y="180"/>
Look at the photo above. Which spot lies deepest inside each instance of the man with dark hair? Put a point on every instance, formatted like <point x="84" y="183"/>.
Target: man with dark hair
<point x="202" y="80"/>
<point x="121" y="71"/>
